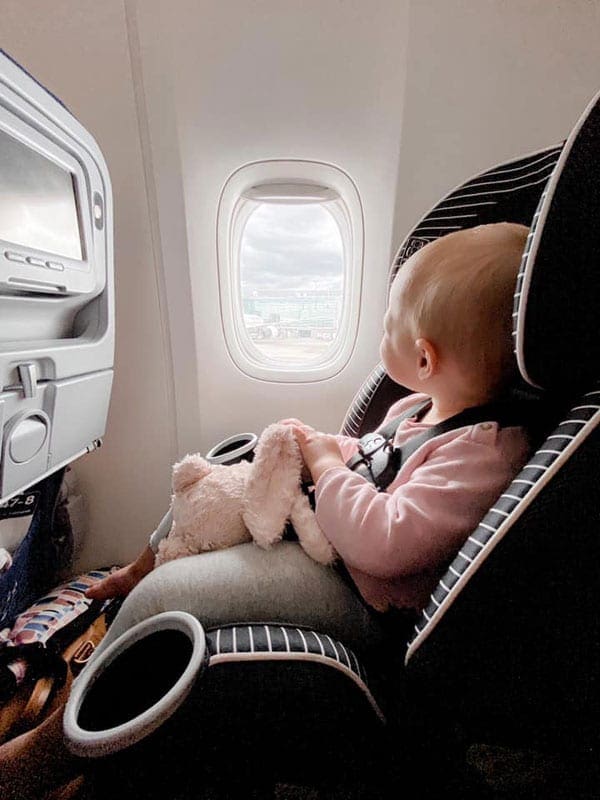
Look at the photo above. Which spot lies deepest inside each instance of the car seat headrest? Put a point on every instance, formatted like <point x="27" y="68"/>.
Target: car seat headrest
<point x="557" y="299"/>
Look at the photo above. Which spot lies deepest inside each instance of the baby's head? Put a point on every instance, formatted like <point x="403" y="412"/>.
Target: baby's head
<point x="448" y="326"/>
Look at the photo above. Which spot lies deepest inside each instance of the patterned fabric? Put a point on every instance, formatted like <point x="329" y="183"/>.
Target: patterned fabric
<point x="272" y="639"/>
<point x="49" y="615"/>
<point x="507" y="193"/>
<point x="281" y="642"/>
<point x="353" y="423"/>
<point x="54" y="611"/>
<point x="576" y="426"/>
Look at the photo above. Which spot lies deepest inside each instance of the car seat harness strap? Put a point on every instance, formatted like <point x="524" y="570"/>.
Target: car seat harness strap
<point x="379" y="461"/>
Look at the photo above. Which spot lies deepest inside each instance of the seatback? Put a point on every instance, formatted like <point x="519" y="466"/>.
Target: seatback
<point x="509" y="644"/>
<point x="56" y="284"/>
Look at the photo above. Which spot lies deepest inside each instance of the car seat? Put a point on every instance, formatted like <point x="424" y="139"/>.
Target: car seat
<point x="509" y="643"/>
<point x="506" y="651"/>
<point x="508" y="648"/>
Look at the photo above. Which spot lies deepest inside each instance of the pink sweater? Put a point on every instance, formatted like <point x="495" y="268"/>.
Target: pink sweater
<point x="396" y="544"/>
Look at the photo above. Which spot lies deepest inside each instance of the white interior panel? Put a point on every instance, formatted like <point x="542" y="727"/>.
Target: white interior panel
<point x="487" y="82"/>
<point x="269" y="81"/>
<point x="80" y="51"/>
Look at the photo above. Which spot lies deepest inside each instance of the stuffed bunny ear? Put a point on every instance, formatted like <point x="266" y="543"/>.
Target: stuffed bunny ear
<point x="189" y="470"/>
<point x="312" y="539"/>
<point x="272" y="484"/>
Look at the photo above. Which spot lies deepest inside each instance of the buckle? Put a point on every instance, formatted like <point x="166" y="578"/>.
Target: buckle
<point x="370" y="444"/>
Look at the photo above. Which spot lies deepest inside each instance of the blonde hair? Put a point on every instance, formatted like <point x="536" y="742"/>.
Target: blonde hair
<point x="459" y="292"/>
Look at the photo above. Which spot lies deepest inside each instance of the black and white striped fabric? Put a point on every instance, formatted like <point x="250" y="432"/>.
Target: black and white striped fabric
<point x="566" y="438"/>
<point x="556" y="344"/>
<point x="253" y="642"/>
<point x="507" y="193"/>
<point x="371" y="403"/>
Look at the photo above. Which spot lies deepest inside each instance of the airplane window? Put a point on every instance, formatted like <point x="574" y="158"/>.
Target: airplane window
<point x="292" y="281"/>
<point x="290" y="249"/>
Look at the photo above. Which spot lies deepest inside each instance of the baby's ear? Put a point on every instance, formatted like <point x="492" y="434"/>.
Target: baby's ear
<point x="188" y="471"/>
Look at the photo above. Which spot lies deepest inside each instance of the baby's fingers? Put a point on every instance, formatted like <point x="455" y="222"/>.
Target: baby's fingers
<point x="297" y="425"/>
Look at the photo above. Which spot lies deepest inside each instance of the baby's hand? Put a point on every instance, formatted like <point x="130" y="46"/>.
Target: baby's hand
<point x="320" y="451"/>
<point x="294" y="423"/>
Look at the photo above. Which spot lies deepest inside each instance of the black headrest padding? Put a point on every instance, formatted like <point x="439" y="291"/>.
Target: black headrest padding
<point x="558" y="295"/>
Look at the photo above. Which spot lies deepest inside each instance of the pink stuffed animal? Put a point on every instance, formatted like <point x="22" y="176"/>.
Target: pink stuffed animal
<point x="216" y="506"/>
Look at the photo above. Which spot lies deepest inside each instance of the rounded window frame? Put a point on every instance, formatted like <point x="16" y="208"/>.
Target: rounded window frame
<point x="235" y="207"/>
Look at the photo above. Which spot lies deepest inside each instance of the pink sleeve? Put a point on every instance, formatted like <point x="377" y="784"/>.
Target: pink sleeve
<point x="423" y="521"/>
<point x="348" y="446"/>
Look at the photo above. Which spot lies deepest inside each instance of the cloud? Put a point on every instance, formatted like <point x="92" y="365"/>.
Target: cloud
<point x="291" y="247"/>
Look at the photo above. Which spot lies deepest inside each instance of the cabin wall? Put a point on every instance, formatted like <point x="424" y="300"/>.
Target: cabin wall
<point x="489" y="81"/>
<point x="409" y="98"/>
<point x="79" y="50"/>
<point x="316" y="81"/>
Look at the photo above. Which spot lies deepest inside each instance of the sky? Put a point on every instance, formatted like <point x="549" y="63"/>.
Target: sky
<point x="291" y="247"/>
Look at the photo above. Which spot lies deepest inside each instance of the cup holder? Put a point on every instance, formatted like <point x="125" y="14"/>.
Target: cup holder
<point x="239" y="447"/>
<point x="135" y="685"/>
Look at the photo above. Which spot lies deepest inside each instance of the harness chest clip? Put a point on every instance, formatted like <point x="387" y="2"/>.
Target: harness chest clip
<point x="377" y="460"/>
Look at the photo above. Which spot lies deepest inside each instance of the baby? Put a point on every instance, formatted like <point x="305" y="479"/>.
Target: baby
<point x="447" y="336"/>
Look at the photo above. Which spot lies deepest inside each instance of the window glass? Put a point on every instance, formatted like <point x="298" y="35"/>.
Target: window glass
<point x="290" y="258"/>
<point x="291" y="281"/>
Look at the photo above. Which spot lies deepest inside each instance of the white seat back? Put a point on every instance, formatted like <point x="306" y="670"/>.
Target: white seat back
<point x="56" y="284"/>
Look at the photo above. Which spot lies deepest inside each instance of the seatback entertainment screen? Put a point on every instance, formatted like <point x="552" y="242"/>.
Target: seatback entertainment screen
<point x="38" y="205"/>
